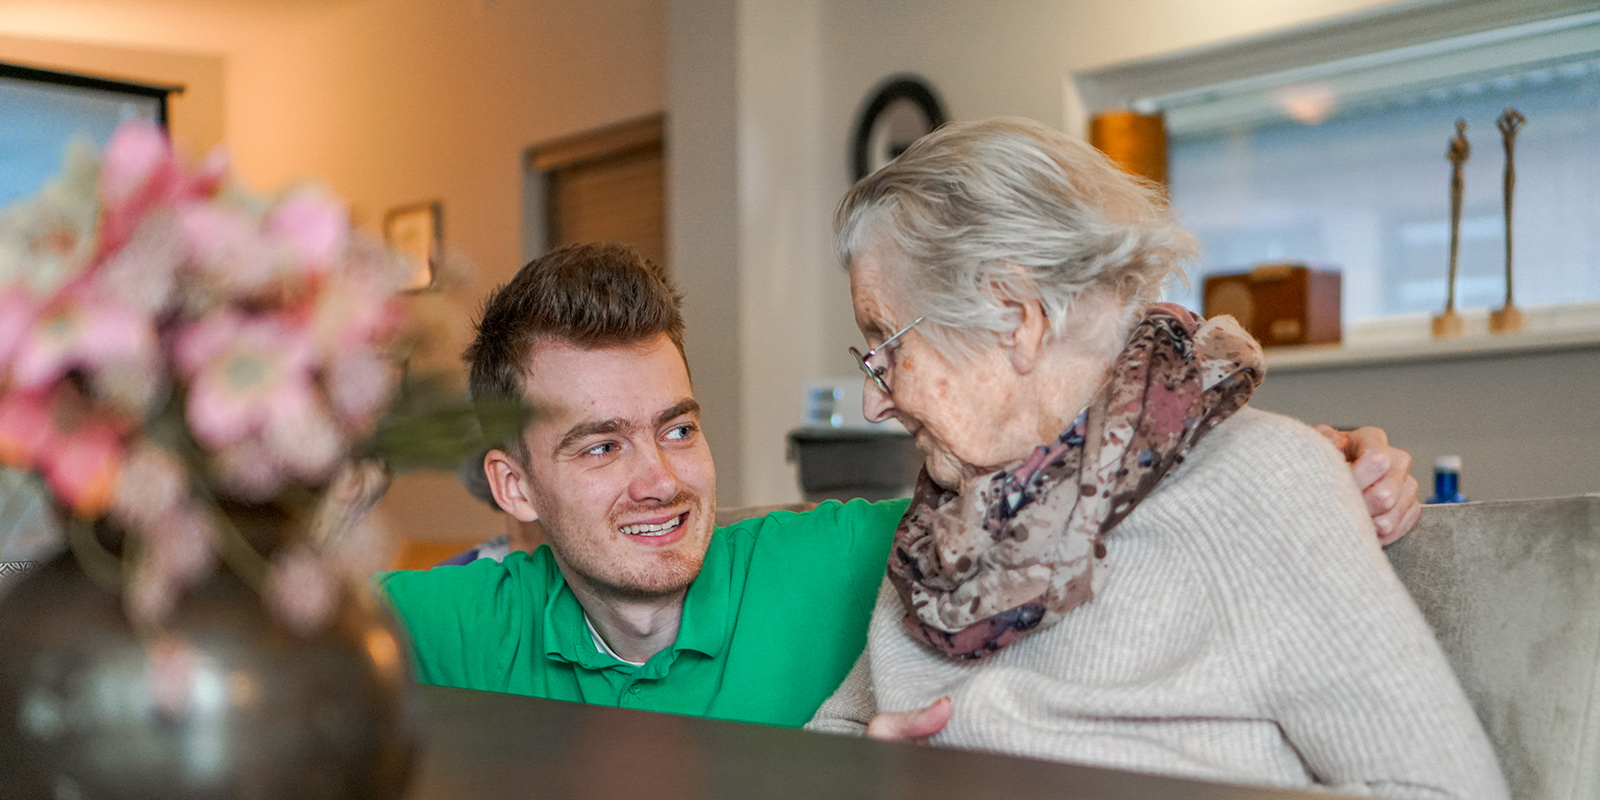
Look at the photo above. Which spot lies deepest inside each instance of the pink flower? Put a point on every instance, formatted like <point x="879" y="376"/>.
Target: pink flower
<point x="25" y="427"/>
<point x="307" y="444"/>
<point x="303" y="446"/>
<point x="369" y="261"/>
<point x="227" y="247"/>
<point x="153" y="502"/>
<point x="82" y="327"/>
<point x="143" y="273"/>
<point x="359" y="383"/>
<point x="245" y="371"/>
<point x="137" y="155"/>
<point x="207" y="178"/>
<point x="176" y="554"/>
<point x="353" y="311"/>
<point x="138" y="172"/>
<point x="19" y="312"/>
<point x="149" y="598"/>
<point x="246" y="470"/>
<point x="76" y="449"/>
<point x="179" y="543"/>
<point x="302" y="592"/>
<point x="153" y="484"/>
<point x="82" y="469"/>
<point x="314" y="228"/>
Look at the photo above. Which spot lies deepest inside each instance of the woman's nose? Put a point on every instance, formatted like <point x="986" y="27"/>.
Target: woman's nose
<point x="654" y="480"/>
<point x="876" y="404"/>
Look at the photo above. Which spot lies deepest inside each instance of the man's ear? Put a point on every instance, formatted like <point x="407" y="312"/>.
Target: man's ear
<point x="509" y="485"/>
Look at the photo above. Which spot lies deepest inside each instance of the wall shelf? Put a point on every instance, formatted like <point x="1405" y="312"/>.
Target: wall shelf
<point x="1407" y="339"/>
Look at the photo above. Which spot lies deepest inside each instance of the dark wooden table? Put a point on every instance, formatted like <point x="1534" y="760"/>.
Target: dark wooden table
<point x="482" y="745"/>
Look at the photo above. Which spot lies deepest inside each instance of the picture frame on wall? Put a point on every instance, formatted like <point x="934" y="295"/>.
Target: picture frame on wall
<point x="416" y="231"/>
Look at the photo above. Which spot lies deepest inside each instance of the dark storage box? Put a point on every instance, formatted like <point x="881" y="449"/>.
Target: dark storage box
<point x="840" y="463"/>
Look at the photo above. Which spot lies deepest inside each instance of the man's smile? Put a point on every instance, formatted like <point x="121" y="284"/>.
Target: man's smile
<point x="656" y="529"/>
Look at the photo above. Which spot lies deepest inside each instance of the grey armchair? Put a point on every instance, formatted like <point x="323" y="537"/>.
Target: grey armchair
<point x="1513" y="591"/>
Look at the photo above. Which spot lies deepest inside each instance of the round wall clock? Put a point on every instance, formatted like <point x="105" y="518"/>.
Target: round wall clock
<point x="898" y="113"/>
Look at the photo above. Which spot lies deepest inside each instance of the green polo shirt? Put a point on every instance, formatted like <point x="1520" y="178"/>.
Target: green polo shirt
<point x="769" y="629"/>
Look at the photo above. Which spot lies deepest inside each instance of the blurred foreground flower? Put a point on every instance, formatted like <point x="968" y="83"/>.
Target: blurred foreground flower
<point x="173" y="347"/>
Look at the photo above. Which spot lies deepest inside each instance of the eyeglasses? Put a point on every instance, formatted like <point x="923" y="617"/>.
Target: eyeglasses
<point x="876" y="373"/>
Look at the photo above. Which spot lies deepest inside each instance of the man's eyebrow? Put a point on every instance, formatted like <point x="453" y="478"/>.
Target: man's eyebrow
<point x="584" y="429"/>
<point x="689" y="406"/>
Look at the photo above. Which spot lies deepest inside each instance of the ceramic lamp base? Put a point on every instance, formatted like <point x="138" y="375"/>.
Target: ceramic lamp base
<point x="1448" y="325"/>
<point x="1507" y="320"/>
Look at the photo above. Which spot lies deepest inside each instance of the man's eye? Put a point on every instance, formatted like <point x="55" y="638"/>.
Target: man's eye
<point x="603" y="448"/>
<point x="683" y="431"/>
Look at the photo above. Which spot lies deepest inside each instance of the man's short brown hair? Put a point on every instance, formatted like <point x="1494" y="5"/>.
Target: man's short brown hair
<point x="587" y="295"/>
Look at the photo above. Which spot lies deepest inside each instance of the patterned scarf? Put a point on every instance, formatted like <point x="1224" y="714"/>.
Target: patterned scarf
<point x="979" y="570"/>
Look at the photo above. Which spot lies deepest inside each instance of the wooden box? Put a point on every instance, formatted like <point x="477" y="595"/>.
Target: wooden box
<point x="1279" y="304"/>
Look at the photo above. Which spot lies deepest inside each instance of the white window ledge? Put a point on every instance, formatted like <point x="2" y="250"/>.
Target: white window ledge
<point x="1409" y="338"/>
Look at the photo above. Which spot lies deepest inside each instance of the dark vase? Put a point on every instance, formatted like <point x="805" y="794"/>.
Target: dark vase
<point x="250" y="710"/>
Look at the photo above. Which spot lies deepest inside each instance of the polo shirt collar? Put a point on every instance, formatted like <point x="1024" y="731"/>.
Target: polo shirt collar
<point x="707" y="622"/>
<point x="566" y="634"/>
<point x="705" y="627"/>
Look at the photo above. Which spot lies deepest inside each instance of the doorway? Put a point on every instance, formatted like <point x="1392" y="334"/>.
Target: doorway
<point x="607" y="185"/>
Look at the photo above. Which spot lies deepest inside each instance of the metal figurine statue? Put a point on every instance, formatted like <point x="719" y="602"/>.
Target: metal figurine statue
<point x="1508" y="319"/>
<point x="1449" y="323"/>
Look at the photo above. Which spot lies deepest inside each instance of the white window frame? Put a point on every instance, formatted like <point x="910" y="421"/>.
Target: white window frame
<point x="1414" y="45"/>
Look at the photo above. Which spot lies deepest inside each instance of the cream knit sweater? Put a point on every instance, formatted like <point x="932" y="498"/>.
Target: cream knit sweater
<point x="1246" y="628"/>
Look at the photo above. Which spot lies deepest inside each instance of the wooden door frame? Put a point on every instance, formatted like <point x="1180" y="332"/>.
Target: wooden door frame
<point x="612" y="141"/>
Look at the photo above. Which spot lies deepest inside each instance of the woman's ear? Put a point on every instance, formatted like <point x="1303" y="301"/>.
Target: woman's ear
<point x="509" y="485"/>
<point x="1026" y="339"/>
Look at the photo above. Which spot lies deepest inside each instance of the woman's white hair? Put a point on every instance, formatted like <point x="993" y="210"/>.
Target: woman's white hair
<point x="978" y="212"/>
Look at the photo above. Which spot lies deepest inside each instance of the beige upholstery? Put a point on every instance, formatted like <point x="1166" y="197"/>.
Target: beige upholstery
<point x="1512" y="589"/>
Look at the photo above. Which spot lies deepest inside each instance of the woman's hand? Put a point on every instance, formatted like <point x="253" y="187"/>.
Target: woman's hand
<point x="1383" y="472"/>
<point x="917" y="726"/>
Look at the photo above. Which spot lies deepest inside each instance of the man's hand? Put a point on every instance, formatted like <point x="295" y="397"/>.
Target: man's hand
<point x="914" y="725"/>
<point x="1384" y="474"/>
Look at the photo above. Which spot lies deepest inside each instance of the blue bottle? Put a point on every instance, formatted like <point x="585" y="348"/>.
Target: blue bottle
<point x="1447" y="480"/>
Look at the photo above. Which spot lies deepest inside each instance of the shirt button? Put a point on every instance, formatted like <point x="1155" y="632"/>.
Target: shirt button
<point x="634" y="689"/>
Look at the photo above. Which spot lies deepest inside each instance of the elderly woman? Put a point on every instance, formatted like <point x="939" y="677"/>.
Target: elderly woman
<point x="1111" y="558"/>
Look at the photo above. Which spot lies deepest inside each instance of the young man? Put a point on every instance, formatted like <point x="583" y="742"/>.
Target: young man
<point x="637" y="602"/>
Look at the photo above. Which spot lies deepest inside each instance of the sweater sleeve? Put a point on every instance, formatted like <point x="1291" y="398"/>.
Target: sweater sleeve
<point x="852" y="705"/>
<point x="1354" y="676"/>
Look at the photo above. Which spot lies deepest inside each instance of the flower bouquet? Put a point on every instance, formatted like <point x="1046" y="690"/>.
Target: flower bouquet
<point x="179" y="360"/>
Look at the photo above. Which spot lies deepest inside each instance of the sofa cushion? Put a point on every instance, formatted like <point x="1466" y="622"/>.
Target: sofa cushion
<point x="1512" y="588"/>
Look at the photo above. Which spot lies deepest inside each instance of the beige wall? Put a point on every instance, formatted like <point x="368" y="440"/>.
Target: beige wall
<point x="703" y="219"/>
<point x="1524" y="424"/>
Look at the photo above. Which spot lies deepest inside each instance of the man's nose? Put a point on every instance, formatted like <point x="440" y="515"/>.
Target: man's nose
<point x="654" y="479"/>
<point x="876" y="404"/>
